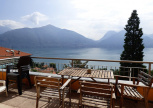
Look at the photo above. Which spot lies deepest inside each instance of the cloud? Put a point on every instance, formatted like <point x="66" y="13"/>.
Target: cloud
<point x="96" y="17"/>
<point x="93" y="29"/>
<point x="11" y="24"/>
<point x="35" y="17"/>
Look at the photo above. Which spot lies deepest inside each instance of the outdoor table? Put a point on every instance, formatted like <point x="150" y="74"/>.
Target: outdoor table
<point x="82" y="72"/>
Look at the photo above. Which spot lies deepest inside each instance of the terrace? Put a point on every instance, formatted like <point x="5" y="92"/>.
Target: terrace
<point x="28" y="98"/>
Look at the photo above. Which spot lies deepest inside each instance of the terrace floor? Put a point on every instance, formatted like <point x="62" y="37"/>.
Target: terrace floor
<point x="28" y="100"/>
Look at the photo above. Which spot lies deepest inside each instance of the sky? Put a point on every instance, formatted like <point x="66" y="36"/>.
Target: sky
<point x="90" y="18"/>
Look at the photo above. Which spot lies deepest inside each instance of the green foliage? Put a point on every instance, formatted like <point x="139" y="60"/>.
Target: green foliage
<point x="91" y="67"/>
<point x="79" y="64"/>
<point x="52" y="65"/>
<point x="102" y="69"/>
<point x="33" y="70"/>
<point x="151" y="72"/>
<point x="39" y="65"/>
<point x="42" y="65"/>
<point x="147" y="71"/>
<point x="117" y="72"/>
<point x="133" y="43"/>
<point x="65" y="66"/>
<point x="36" y="64"/>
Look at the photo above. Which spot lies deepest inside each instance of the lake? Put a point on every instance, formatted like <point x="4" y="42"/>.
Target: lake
<point x="84" y="53"/>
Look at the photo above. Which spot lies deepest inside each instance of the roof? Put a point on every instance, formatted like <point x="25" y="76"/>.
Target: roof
<point x="8" y="53"/>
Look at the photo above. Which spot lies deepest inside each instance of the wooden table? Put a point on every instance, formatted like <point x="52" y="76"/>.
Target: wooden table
<point x="82" y="72"/>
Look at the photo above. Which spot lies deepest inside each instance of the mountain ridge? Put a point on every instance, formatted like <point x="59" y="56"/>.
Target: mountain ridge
<point x="51" y="36"/>
<point x="46" y="36"/>
<point x="4" y="29"/>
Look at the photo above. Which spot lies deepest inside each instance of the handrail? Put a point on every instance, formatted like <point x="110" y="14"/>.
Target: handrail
<point x="99" y="60"/>
<point x="125" y="61"/>
<point x="121" y="61"/>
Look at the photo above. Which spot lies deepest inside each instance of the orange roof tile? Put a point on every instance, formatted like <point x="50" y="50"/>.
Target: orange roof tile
<point x="8" y="53"/>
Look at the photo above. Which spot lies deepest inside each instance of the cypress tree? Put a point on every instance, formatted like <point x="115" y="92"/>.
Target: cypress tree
<point x="133" y="43"/>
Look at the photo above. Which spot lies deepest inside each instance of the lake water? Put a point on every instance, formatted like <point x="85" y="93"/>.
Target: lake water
<point x="84" y="53"/>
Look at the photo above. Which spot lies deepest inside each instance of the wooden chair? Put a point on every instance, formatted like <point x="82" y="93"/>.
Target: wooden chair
<point x="96" y="94"/>
<point x="130" y="91"/>
<point x="51" y="88"/>
<point x="3" y="86"/>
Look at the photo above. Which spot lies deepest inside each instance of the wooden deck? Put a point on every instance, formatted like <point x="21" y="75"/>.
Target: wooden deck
<point x="28" y="100"/>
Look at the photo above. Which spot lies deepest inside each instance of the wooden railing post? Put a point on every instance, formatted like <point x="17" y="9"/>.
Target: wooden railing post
<point x="149" y="70"/>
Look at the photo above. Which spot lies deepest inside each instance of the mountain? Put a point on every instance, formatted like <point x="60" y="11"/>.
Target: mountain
<point x="4" y="29"/>
<point x="116" y="40"/>
<point x="51" y="36"/>
<point x="46" y="36"/>
<point x="151" y="36"/>
<point x="148" y="42"/>
<point x="112" y="40"/>
<point x="108" y="35"/>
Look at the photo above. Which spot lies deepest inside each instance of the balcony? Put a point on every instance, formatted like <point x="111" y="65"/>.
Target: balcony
<point x="28" y="98"/>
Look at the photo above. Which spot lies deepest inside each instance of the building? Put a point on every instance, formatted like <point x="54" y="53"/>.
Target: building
<point x="9" y="53"/>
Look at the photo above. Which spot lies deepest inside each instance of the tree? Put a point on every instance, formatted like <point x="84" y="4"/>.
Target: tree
<point x="52" y="65"/>
<point x="79" y="64"/>
<point x="133" y="43"/>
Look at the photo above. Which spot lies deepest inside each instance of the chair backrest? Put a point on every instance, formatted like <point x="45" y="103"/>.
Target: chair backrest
<point x="24" y="60"/>
<point x="22" y="66"/>
<point x="8" y="68"/>
<point x="54" y="83"/>
<point x="25" y="68"/>
<point x="102" y="89"/>
<point x="98" y="90"/>
<point x="24" y="71"/>
<point x="145" y="78"/>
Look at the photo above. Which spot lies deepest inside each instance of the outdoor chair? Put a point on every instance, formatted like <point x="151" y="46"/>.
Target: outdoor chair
<point x="15" y="73"/>
<point x="131" y="90"/>
<point x="51" y="88"/>
<point x="96" y="94"/>
<point x="3" y="86"/>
